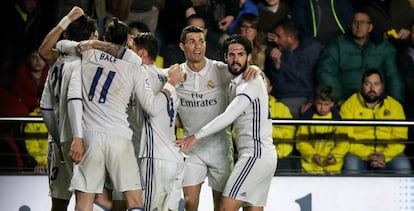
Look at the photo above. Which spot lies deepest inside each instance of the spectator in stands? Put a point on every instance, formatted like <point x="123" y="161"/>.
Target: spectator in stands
<point x="321" y="148"/>
<point x="270" y="13"/>
<point x="405" y="61"/>
<point x="322" y="19"/>
<point x="376" y="148"/>
<point x="100" y="10"/>
<point x="29" y="80"/>
<point x="248" y="27"/>
<point x="344" y="60"/>
<point x="12" y="147"/>
<point x="245" y="6"/>
<point x="283" y="135"/>
<point x="171" y="20"/>
<point x="218" y="14"/>
<point x="391" y="18"/>
<point x="175" y="55"/>
<point x="26" y="26"/>
<point x="37" y="142"/>
<point x="290" y="64"/>
<point x="145" y="11"/>
<point x="137" y="27"/>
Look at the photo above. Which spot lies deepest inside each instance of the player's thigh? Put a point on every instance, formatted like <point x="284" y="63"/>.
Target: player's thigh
<point x="195" y="171"/>
<point x="60" y="173"/>
<point x="122" y="165"/>
<point x="250" y="180"/>
<point x="89" y="175"/>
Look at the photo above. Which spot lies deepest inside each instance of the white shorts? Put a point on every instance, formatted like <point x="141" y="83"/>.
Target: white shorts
<point x="216" y="166"/>
<point x="59" y="173"/>
<point x="250" y="180"/>
<point x="106" y="152"/>
<point x="162" y="182"/>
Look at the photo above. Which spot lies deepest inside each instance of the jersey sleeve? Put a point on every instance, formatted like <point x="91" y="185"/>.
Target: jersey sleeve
<point x="152" y="103"/>
<point x="250" y="88"/>
<point x="75" y="108"/>
<point x="46" y="108"/>
<point x="67" y="47"/>
<point x="132" y="57"/>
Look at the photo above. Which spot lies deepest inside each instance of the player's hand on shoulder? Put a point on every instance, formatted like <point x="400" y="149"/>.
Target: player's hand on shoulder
<point x="252" y="72"/>
<point x="175" y="74"/>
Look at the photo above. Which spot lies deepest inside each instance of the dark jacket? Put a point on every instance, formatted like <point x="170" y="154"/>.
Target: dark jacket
<point x="305" y="15"/>
<point x="295" y="78"/>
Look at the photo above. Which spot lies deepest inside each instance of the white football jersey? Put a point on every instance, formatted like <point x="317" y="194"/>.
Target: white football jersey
<point x="107" y="85"/>
<point x="249" y="113"/>
<point x="61" y="86"/>
<point x="158" y="133"/>
<point x="202" y="97"/>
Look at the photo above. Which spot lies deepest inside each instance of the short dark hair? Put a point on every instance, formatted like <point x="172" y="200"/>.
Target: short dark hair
<point x="141" y="26"/>
<point x="194" y="16"/>
<point x="190" y="29"/>
<point x="289" y="26"/>
<point x="148" y="41"/>
<point x="371" y="71"/>
<point x="240" y="39"/>
<point x="324" y="92"/>
<point x="81" y="28"/>
<point x="116" y="32"/>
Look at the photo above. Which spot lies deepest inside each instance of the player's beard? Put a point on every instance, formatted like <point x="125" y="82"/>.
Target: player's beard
<point x="370" y="98"/>
<point x="236" y="73"/>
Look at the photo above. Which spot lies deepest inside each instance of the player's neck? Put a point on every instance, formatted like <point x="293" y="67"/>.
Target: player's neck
<point x="197" y="66"/>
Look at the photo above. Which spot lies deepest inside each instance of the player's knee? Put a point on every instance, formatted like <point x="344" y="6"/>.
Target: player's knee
<point x="191" y="203"/>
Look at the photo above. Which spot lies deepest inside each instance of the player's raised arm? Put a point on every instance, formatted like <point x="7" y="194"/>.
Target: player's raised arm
<point x="46" y="49"/>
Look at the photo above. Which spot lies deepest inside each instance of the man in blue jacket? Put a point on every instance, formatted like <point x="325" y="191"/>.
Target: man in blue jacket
<point x="290" y="65"/>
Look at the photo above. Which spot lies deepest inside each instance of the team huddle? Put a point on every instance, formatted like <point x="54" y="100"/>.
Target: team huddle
<point x="112" y="117"/>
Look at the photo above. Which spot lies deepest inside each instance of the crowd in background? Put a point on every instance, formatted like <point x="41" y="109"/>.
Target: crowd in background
<point x="299" y="44"/>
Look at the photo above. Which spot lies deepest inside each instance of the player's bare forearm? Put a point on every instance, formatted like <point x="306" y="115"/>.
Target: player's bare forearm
<point x="46" y="49"/>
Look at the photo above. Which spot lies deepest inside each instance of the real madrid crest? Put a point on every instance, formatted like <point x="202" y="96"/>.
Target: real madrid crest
<point x="210" y="84"/>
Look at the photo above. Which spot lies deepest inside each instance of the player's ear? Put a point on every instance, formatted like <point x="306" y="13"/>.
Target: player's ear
<point x="144" y="52"/>
<point x="181" y="45"/>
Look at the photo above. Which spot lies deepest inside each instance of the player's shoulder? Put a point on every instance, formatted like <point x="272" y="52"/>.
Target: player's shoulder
<point x="132" y="57"/>
<point x="217" y="65"/>
<point x="256" y="81"/>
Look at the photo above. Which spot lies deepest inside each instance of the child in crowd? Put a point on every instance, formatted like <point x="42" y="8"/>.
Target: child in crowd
<point x="318" y="145"/>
